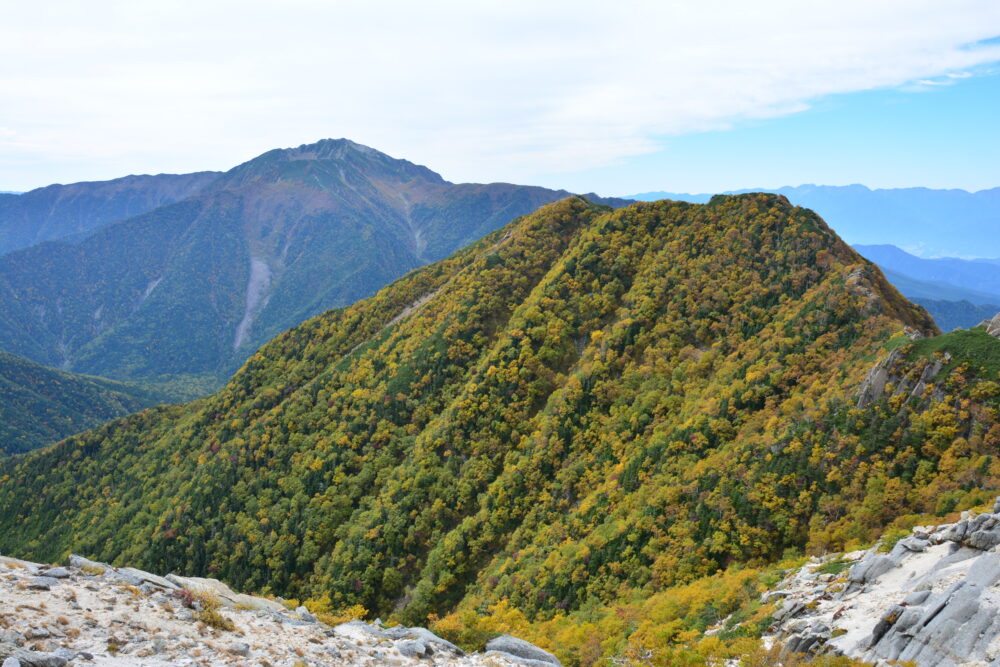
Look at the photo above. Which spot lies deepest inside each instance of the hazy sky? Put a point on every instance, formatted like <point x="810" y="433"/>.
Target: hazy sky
<point x="617" y="97"/>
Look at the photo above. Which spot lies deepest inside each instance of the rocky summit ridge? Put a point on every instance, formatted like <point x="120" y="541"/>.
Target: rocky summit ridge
<point x="89" y="613"/>
<point x="933" y="598"/>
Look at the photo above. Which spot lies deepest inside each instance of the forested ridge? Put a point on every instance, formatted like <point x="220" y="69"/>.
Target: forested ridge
<point x="40" y="405"/>
<point x="578" y="422"/>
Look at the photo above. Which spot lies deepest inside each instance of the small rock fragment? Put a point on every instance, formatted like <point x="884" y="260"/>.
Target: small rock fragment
<point x="240" y="648"/>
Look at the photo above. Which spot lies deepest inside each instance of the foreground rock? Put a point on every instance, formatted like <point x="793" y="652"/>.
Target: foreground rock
<point x="932" y="599"/>
<point x="92" y="614"/>
<point x="506" y="646"/>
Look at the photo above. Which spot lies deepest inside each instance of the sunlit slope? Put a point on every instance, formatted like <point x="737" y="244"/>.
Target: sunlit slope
<point x="583" y="403"/>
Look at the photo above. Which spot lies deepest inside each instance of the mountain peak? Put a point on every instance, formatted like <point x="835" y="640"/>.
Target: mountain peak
<point x="332" y="149"/>
<point x="334" y="155"/>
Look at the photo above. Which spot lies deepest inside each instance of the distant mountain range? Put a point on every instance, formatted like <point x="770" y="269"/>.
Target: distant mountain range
<point x="195" y="285"/>
<point x="939" y="222"/>
<point x="958" y="293"/>
<point x="980" y="277"/>
<point x="62" y="211"/>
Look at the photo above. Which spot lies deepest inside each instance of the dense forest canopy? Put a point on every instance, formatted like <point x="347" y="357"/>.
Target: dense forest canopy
<point x="585" y="408"/>
<point x="40" y="405"/>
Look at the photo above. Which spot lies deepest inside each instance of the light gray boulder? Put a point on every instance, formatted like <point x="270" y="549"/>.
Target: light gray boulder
<point x="435" y="642"/>
<point x="43" y="583"/>
<point x="992" y="325"/>
<point x="26" y="658"/>
<point x="915" y="544"/>
<point x="397" y="632"/>
<point x="414" y="648"/>
<point x="870" y="567"/>
<point x="227" y="597"/>
<point x="304" y="614"/>
<point x="55" y="573"/>
<point x="521" y="649"/>
<point x="788" y="609"/>
<point x="358" y="631"/>
<point x="87" y="565"/>
<point x="143" y="577"/>
<point x="240" y="648"/>
<point x="945" y="628"/>
<point x="522" y="662"/>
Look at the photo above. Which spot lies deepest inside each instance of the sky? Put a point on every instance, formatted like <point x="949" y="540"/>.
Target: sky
<point x="617" y="98"/>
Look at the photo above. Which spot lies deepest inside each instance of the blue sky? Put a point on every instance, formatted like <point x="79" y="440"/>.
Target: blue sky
<point x="944" y="133"/>
<point x="616" y="98"/>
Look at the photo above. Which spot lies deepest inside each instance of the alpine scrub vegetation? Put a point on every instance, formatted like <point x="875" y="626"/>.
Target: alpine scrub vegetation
<point x="586" y="417"/>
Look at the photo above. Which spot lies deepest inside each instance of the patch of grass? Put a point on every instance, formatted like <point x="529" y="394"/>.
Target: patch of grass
<point x="973" y="346"/>
<point x="835" y="566"/>
<point x="206" y="610"/>
<point x="212" y="618"/>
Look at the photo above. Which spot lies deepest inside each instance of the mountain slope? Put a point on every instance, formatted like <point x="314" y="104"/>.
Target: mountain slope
<point x="941" y="222"/>
<point x="196" y="286"/>
<point x="951" y="315"/>
<point x="927" y="289"/>
<point x="63" y="211"/>
<point x="583" y="404"/>
<point x="40" y="405"/>
<point x="975" y="275"/>
<point x="958" y="293"/>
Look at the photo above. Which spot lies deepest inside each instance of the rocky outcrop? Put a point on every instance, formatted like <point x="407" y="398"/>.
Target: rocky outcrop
<point x="92" y="613"/>
<point x="873" y="386"/>
<point x="932" y="599"/>
<point x="885" y="374"/>
<point x="992" y="325"/>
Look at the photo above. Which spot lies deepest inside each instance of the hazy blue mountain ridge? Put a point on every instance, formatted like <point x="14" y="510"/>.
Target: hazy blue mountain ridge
<point x="981" y="275"/>
<point x="74" y="210"/>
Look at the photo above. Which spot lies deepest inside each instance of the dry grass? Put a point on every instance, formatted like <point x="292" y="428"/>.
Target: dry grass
<point x="209" y="613"/>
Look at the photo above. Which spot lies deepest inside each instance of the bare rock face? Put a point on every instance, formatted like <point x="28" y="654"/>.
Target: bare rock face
<point x="932" y="599"/>
<point x="885" y="373"/>
<point x="874" y="384"/>
<point x="992" y="326"/>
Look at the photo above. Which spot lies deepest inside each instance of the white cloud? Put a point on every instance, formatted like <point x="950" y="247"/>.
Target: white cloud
<point x="478" y="90"/>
